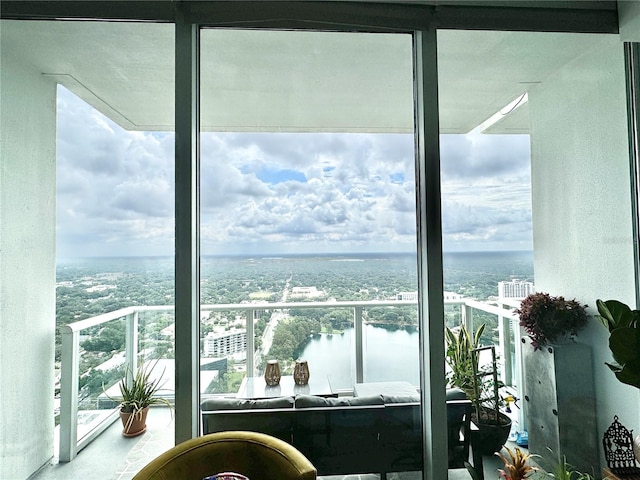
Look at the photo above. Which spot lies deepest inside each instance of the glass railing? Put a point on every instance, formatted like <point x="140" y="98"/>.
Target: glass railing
<point x="89" y="391"/>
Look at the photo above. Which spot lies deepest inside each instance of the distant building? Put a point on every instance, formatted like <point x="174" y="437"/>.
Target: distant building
<point x="227" y="342"/>
<point x="409" y="296"/>
<point x="515" y="289"/>
<point x="452" y="296"/>
<point x="306" y="292"/>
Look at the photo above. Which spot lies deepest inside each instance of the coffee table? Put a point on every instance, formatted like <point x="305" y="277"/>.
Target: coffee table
<point x="256" y="388"/>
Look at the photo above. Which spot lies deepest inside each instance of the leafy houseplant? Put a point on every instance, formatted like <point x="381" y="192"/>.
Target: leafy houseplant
<point x="624" y="339"/>
<point x="136" y="398"/>
<point x="547" y="319"/>
<point x="462" y="356"/>
<point x="564" y="471"/>
<point x="516" y="467"/>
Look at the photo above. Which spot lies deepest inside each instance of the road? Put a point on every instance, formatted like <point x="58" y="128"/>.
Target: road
<point x="267" y="336"/>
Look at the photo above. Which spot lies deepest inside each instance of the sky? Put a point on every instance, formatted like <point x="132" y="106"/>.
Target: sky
<point x="278" y="193"/>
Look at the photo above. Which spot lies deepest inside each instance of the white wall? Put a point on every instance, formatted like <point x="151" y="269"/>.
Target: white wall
<point x="629" y="20"/>
<point x="27" y="268"/>
<point x="581" y="204"/>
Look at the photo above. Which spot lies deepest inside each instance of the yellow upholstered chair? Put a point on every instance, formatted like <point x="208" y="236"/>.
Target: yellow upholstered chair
<point x="255" y="455"/>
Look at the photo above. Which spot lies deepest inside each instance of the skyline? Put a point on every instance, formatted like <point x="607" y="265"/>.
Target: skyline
<point x="264" y="193"/>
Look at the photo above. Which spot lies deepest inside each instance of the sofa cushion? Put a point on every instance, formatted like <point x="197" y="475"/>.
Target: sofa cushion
<point x="306" y="401"/>
<point x="244" y="404"/>
<point x="401" y="398"/>
<point x="455" y="394"/>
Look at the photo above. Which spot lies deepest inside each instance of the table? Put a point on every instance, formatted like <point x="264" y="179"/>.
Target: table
<point x="256" y="388"/>
<point x="390" y="389"/>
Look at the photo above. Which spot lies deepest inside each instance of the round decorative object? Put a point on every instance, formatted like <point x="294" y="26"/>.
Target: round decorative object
<point x="301" y="372"/>
<point x="272" y="373"/>
<point x="636" y="448"/>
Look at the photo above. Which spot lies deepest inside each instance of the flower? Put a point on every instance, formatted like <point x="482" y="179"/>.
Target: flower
<point x="546" y="319"/>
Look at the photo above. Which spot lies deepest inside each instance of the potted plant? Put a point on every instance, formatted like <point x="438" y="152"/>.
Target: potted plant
<point x="481" y="387"/>
<point x="516" y="467"/>
<point x="624" y="339"/>
<point x="549" y="319"/>
<point x="564" y="471"/>
<point x="136" y="398"/>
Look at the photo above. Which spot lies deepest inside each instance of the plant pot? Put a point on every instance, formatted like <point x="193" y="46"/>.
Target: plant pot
<point x="490" y="438"/>
<point x="134" y="424"/>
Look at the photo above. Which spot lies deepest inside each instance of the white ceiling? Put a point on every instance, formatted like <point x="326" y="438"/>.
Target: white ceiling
<point x="292" y="81"/>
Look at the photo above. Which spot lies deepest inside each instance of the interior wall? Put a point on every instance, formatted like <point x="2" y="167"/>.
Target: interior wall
<point x="629" y="20"/>
<point x="581" y="199"/>
<point x="27" y="268"/>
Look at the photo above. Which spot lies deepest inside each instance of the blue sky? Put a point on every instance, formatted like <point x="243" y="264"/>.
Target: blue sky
<point x="281" y="192"/>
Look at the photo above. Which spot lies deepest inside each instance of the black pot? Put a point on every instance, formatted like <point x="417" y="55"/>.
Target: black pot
<point x="490" y="438"/>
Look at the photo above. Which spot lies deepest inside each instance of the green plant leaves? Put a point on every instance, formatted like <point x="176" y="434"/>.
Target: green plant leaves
<point x="615" y="314"/>
<point x="624" y="339"/>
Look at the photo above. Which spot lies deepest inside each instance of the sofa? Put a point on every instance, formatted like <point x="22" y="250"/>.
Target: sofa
<point x="345" y="435"/>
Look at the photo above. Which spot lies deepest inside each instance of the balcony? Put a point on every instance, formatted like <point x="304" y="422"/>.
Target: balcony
<point x="79" y="427"/>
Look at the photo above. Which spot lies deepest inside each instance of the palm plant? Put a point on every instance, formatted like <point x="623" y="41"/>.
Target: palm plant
<point x="516" y="467"/>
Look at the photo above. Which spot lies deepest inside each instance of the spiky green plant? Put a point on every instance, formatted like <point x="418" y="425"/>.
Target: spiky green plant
<point x="141" y="393"/>
<point x="516" y="467"/>
<point x="460" y="358"/>
<point x="565" y="471"/>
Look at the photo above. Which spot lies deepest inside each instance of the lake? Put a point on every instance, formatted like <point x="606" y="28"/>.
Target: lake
<point x="389" y="355"/>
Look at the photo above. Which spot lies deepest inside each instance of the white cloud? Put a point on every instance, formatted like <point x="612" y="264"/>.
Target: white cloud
<point x="116" y="192"/>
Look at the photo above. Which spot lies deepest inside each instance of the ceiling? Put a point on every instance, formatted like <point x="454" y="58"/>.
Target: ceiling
<point x="269" y="80"/>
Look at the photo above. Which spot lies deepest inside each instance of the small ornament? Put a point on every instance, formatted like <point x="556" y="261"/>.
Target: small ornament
<point x="272" y="373"/>
<point x="618" y="449"/>
<point x="301" y="372"/>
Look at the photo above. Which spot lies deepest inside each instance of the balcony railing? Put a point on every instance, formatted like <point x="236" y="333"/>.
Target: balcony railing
<point x="70" y="440"/>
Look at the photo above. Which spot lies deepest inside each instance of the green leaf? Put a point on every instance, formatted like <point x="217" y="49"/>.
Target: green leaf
<point x="615" y="314"/>
<point x="625" y="345"/>
<point x="630" y="374"/>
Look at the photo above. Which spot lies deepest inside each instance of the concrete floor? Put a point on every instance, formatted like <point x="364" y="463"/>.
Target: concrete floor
<point x="114" y="457"/>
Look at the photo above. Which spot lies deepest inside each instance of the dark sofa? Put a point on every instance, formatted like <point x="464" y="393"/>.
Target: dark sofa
<point x="345" y="435"/>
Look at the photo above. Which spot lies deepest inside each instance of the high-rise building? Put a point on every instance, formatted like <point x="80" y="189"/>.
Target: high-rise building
<point x="515" y="289"/>
<point x="227" y="342"/>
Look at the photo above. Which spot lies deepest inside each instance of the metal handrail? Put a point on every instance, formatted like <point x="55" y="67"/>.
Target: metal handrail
<point x="70" y="445"/>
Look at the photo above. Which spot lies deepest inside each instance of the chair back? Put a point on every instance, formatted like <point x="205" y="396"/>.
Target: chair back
<point x="254" y="455"/>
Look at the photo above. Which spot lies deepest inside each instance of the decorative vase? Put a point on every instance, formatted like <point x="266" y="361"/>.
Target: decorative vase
<point x="301" y="372"/>
<point x="272" y="373"/>
<point x="134" y="424"/>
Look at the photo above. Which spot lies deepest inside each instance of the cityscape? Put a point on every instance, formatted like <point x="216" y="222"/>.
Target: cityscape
<point x="91" y="287"/>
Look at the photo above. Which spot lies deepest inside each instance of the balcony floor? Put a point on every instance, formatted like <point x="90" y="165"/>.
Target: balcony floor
<point x="114" y="457"/>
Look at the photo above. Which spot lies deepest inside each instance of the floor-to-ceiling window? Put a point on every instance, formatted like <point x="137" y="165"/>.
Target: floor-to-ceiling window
<point x="307" y="180"/>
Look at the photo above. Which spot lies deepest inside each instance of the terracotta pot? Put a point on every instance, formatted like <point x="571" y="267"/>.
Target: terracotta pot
<point x="134" y="424"/>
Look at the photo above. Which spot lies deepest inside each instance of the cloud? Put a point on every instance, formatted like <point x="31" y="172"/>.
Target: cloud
<point x="280" y="192"/>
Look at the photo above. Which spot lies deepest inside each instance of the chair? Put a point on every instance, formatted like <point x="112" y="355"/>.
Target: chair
<point x="255" y="455"/>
